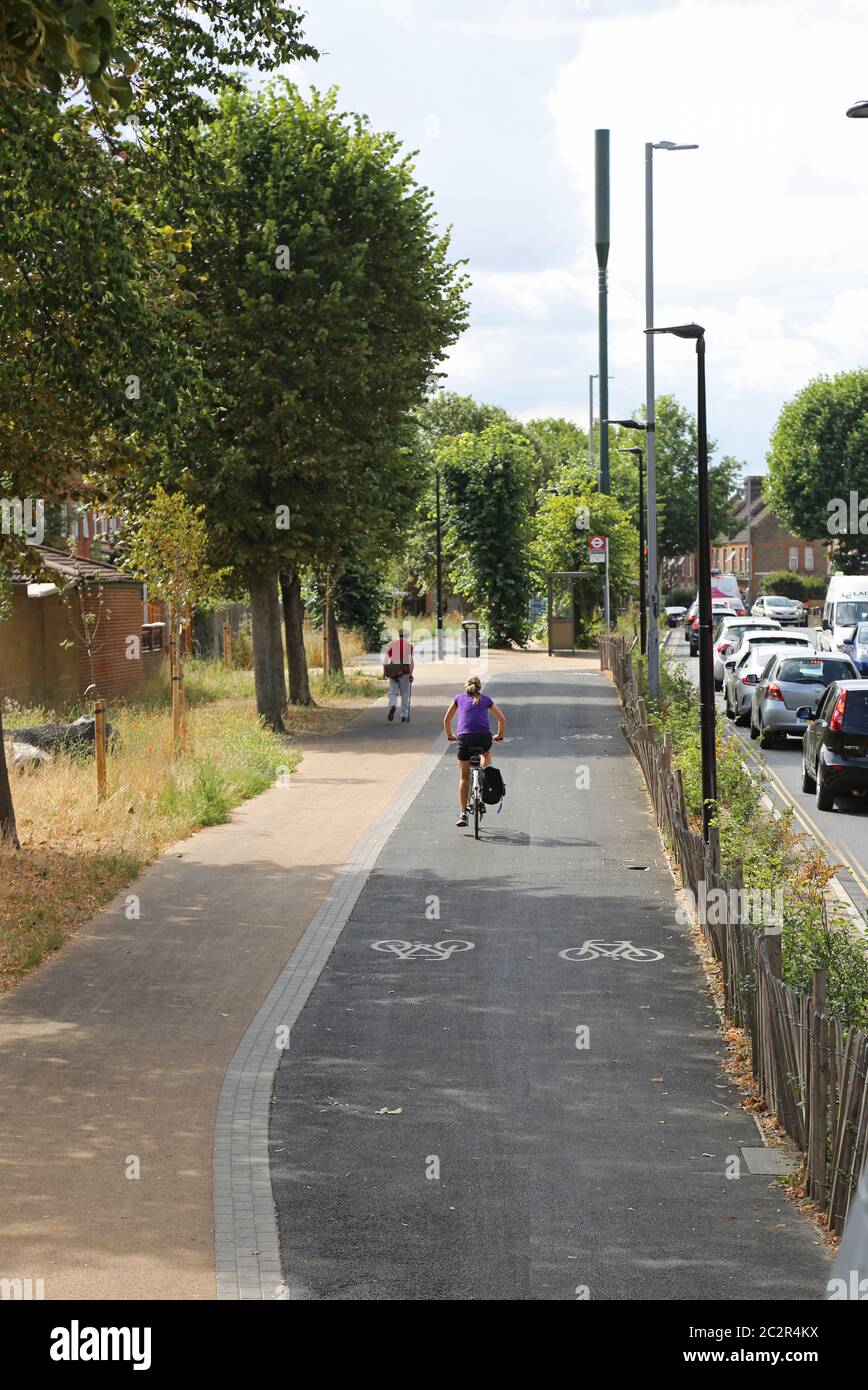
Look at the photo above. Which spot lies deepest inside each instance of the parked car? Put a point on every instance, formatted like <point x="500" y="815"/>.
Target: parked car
<point x="856" y="648"/>
<point x="727" y="639"/>
<point x="786" y="685"/>
<point x="674" y="615"/>
<point x="745" y="673"/>
<point x="720" y="608"/>
<point x="835" y="746"/>
<point x="788" y="611"/>
<point x="767" y="636"/>
<point x="846" y="606"/>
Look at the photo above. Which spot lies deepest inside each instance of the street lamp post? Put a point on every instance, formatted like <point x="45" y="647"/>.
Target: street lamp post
<point x="643" y="616"/>
<point x="643" y="596"/>
<point x="706" y="669"/>
<point x="439" y="573"/>
<point x="591" y="380"/>
<point x="654" y="643"/>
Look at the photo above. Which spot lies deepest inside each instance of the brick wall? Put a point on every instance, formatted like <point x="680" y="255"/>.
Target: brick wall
<point x="36" y="668"/>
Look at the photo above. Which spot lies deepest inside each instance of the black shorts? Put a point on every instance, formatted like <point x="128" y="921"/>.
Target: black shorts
<point x="472" y="743"/>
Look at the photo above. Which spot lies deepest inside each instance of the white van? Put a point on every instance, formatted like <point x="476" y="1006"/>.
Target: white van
<point x="845" y="607"/>
<point x="725" y="587"/>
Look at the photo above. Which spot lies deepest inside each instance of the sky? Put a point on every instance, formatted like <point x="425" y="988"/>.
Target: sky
<point x="761" y="234"/>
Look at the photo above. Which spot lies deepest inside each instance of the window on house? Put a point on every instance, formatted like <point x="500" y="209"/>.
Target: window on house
<point x="794" y="557"/>
<point x="809" y="557"/>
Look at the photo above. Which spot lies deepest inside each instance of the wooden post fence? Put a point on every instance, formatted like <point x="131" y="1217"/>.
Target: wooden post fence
<point x="811" y="1069"/>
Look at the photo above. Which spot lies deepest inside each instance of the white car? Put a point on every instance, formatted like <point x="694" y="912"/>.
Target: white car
<point x="789" y="612"/>
<point x="750" y="662"/>
<point x="727" y="640"/>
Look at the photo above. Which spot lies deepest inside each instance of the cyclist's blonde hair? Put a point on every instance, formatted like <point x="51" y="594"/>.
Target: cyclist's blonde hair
<point x="473" y="686"/>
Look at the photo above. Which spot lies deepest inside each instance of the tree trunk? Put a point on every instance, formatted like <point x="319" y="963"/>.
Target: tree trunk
<point x="331" y="641"/>
<point x="299" y="683"/>
<point x="267" y="650"/>
<point x="8" y="832"/>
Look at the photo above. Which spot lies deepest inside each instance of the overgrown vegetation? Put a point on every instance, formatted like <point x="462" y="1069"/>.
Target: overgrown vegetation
<point x="771" y="855"/>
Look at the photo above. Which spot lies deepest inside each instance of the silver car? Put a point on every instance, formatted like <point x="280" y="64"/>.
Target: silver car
<point x="790" y="682"/>
<point x="744" y="675"/>
<point x="788" y="611"/>
<point x="727" y="640"/>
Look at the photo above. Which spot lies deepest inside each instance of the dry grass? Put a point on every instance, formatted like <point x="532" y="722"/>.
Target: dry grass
<point x="78" y="852"/>
<point x="351" y="642"/>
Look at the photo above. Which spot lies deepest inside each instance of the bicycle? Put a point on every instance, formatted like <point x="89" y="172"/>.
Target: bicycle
<point x="475" y="803"/>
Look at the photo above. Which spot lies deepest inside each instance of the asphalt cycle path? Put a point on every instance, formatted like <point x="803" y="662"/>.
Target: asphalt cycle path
<point x="477" y="1104"/>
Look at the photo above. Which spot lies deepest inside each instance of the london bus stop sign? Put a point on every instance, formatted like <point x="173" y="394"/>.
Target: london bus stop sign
<point x="597" y="550"/>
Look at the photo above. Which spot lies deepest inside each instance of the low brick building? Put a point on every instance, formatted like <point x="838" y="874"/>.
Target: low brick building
<point x="760" y="545"/>
<point x="43" y="658"/>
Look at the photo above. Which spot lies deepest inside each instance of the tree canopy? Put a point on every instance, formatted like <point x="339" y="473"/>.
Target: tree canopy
<point x="818" y="456"/>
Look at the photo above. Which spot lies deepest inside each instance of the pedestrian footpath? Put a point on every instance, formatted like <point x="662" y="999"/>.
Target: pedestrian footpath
<point x="507" y="1080"/>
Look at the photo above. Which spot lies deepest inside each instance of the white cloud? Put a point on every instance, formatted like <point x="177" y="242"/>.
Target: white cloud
<point x="758" y="233"/>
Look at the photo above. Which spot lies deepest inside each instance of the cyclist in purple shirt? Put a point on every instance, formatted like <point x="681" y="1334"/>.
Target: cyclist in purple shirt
<point x="474" y="733"/>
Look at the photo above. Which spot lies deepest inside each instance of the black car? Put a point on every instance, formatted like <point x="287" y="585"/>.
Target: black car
<point x="835" y="747"/>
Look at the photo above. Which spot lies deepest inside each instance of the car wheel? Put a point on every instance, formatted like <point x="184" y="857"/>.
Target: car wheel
<point x="808" y="783"/>
<point x="741" y="719"/>
<point x="754" y="731"/>
<point x="718" y="685"/>
<point x="766" y="739"/>
<point x="727" y="706"/>
<point x="825" y="799"/>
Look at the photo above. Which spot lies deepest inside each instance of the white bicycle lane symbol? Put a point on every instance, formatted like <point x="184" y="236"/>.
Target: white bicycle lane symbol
<point x="420" y="950"/>
<point x="612" y="950"/>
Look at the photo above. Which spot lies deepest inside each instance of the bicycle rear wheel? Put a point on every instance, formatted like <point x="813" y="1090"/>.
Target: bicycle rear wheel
<point x="476" y="815"/>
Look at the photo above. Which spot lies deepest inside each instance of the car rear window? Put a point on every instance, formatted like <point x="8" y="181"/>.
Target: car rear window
<point x="810" y="671"/>
<point x="856" y="712"/>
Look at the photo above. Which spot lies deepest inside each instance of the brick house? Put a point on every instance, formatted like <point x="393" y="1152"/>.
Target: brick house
<point x="42" y="657"/>
<point x="760" y="545"/>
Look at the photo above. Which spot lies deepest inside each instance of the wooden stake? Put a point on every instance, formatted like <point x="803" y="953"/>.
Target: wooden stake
<point x="100" y="747"/>
<point x="227" y="643"/>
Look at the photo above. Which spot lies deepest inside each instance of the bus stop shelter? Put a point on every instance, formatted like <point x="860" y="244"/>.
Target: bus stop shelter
<point x="561" y="608"/>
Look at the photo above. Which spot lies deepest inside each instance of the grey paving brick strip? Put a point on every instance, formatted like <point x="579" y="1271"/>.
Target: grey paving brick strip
<point x="507" y="1080"/>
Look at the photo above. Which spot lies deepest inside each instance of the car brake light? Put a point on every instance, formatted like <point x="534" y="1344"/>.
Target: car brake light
<point x="774" y="692"/>
<point x="724" y="647"/>
<point x="746" y="680"/>
<point x="836" y="723"/>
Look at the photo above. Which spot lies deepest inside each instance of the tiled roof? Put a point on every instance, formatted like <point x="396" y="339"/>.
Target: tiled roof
<point x="70" y="567"/>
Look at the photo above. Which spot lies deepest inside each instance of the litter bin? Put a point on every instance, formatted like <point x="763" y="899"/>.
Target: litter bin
<point x="470" y="640"/>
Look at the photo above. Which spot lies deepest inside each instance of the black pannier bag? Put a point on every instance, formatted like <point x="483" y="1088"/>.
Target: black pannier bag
<point x="493" y="786"/>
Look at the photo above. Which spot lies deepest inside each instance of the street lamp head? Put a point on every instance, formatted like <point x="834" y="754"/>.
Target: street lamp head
<point x="671" y="145"/>
<point x="858" y="110"/>
<point x="634" y="449"/>
<point x="681" y="330"/>
<point x="626" y="424"/>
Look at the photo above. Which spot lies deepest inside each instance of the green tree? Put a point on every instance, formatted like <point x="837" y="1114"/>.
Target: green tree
<point x="166" y="546"/>
<point x="51" y="43"/>
<point x="322" y="299"/>
<point x="562" y="527"/>
<point x="818" y="456"/>
<point x="487" y="497"/>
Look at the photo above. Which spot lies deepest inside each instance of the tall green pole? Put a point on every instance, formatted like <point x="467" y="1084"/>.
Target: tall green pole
<point x="601" y="166"/>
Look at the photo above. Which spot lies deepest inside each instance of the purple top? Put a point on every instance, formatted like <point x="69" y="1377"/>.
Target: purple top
<point x="473" y="718"/>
